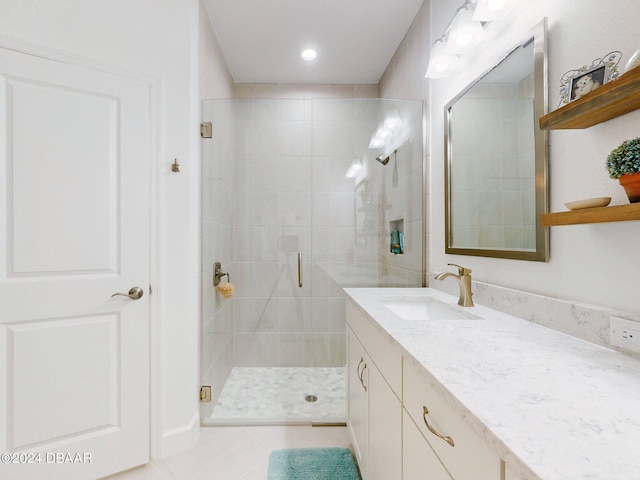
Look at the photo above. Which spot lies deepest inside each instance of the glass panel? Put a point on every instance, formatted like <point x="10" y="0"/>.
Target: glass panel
<point x="296" y="207"/>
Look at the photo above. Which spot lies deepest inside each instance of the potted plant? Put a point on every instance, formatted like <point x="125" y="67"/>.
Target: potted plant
<point x="623" y="163"/>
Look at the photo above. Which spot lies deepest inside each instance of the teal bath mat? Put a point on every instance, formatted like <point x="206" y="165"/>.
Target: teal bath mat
<point x="312" y="464"/>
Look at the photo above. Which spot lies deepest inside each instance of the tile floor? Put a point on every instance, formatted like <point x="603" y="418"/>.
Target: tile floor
<point x="236" y="453"/>
<point x="278" y="396"/>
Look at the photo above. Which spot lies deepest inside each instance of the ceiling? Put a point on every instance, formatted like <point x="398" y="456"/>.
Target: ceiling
<point x="355" y="39"/>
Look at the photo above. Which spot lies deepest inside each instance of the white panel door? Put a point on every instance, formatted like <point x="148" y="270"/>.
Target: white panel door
<point x="75" y="152"/>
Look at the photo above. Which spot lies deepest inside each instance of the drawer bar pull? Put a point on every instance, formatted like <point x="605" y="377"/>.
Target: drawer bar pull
<point x="362" y="376"/>
<point x="425" y="412"/>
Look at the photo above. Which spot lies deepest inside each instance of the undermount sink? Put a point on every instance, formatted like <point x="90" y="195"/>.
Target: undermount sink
<point x="424" y="308"/>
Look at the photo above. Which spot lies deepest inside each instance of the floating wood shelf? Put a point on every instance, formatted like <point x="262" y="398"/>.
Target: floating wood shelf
<point x="617" y="213"/>
<point x="609" y="101"/>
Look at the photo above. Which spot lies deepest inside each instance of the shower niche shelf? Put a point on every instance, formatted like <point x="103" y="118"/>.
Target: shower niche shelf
<point x="396" y="237"/>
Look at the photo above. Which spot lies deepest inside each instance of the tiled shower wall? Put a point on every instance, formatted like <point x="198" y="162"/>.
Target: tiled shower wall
<point x="292" y="196"/>
<point x="275" y="184"/>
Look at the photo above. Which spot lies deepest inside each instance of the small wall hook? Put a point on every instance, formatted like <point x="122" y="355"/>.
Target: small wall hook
<point x="218" y="274"/>
<point x="175" y="166"/>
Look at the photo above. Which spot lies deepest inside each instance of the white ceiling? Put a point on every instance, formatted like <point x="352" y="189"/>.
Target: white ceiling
<point x="355" y="39"/>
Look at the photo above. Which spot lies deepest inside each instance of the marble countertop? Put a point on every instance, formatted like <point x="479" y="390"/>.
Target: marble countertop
<point x="554" y="407"/>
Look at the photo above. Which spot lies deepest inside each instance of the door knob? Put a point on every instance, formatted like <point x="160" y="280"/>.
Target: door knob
<point x="134" y="294"/>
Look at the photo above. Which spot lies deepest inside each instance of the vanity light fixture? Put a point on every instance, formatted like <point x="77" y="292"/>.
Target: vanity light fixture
<point x="489" y="10"/>
<point x="309" y="54"/>
<point x="376" y="141"/>
<point x="392" y="120"/>
<point x="441" y="63"/>
<point x="354" y="168"/>
<point x="464" y="33"/>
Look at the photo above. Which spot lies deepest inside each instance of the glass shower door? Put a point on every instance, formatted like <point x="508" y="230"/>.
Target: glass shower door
<point x="307" y="213"/>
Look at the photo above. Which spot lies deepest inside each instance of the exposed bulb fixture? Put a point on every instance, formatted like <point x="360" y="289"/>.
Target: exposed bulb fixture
<point x="464" y="33"/>
<point x="392" y="120"/>
<point x="354" y="168"/>
<point x="309" y="54"/>
<point x="441" y="63"/>
<point x="489" y="10"/>
<point x="376" y="141"/>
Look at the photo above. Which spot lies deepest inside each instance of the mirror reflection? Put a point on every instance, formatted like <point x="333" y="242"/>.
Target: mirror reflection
<point x="495" y="153"/>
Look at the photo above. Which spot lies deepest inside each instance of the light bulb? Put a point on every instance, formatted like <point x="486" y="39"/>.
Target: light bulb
<point x="464" y="38"/>
<point x="441" y="67"/>
<point x="309" y="54"/>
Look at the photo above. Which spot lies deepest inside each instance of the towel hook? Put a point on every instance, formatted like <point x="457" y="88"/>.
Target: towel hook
<point x="218" y="274"/>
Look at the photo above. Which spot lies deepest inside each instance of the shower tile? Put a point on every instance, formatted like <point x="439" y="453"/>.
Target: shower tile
<point x="242" y="244"/>
<point x="265" y="110"/>
<point x="292" y="315"/>
<point x="290" y="349"/>
<point x="294" y="174"/>
<point x="319" y="315"/>
<point x="243" y="211"/>
<point x="333" y="110"/>
<point x="342" y="209"/>
<point x="244" y="279"/>
<point x="265" y="243"/>
<point x="320" y="210"/>
<point x="265" y="208"/>
<point x="265" y="173"/>
<point x="332" y="138"/>
<point x="266" y="349"/>
<point x="337" y="314"/>
<point x="281" y="396"/>
<point x="291" y="110"/>
<point x="266" y="137"/>
<point x="295" y="208"/>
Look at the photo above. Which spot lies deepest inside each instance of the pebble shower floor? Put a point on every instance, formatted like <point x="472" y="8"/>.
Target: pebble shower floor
<point x="276" y="395"/>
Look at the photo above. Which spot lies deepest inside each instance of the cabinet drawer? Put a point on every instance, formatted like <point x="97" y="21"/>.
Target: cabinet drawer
<point x="418" y="460"/>
<point x="469" y="458"/>
<point x="380" y="348"/>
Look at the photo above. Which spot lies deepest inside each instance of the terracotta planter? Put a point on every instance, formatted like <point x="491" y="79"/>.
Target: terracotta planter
<point x="631" y="185"/>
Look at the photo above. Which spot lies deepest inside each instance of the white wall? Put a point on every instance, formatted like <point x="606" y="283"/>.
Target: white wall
<point x="589" y="263"/>
<point x="157" y="38"/>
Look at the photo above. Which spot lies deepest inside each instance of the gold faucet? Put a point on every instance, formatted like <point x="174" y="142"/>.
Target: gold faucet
<point x="464" y="281"/>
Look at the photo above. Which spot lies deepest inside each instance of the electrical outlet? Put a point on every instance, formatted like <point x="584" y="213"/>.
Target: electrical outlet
<point x="625" y="333"/>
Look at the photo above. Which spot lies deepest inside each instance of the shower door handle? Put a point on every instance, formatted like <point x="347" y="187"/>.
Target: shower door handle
<point x="300" y="269"/>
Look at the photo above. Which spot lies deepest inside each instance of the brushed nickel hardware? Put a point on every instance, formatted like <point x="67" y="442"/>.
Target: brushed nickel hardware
<point x="300" y="269"/>
<point x="362" y="377"/>
<point x="175" y="166"/>
<point x="218" y="274"/>
<point x="134" y="294"/>
<point x="205" y="394"/>
<point x="358" y="369"/>
<point x="464" y="282"/>
<point x="425" y="412"/>
<point x="206" y="129"/>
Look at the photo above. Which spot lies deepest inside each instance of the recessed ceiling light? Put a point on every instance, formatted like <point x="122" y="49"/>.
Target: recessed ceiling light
<point x="309" y="54"/>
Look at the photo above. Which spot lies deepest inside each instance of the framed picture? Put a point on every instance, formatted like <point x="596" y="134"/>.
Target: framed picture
<point x="588" y="82"/>
<point x="576" y="83"/>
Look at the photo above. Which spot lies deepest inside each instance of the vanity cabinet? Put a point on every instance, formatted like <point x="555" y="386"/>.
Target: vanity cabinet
<point x="462" y="451"/>
<point x="418" y="459"/>
<point x="389" y="397"/>
<point x="374" y="411"/>
<point x="358" y="406"/>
